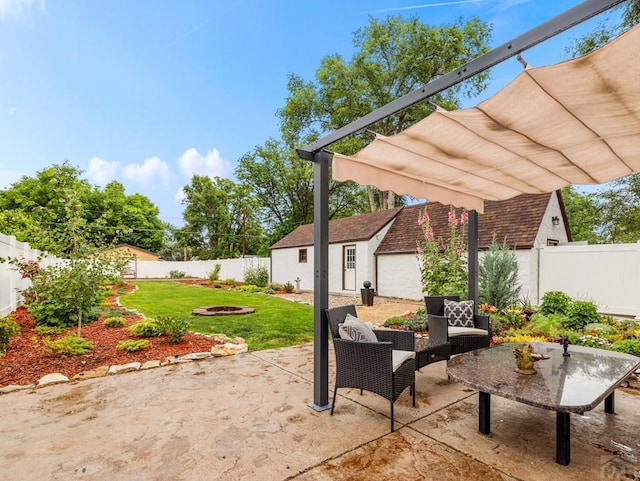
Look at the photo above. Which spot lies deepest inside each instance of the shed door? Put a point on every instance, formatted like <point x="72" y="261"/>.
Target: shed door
<point x="349" y="268"/>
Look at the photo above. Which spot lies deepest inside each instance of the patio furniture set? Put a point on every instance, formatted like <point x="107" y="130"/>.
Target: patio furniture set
<point x="384" y="361"/>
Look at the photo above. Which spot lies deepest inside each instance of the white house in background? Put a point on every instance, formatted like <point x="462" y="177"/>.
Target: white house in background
<point x="381" y="247"/>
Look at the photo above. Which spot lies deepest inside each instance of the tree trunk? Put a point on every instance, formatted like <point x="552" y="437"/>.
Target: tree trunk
<point x="79" y="321"/>
<point x="391" y="199"/>
<point x="372" y="200"/>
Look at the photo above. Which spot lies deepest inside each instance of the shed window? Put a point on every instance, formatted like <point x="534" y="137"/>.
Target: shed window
<point x="553" y="242"/>
<point x="302" y="255"/>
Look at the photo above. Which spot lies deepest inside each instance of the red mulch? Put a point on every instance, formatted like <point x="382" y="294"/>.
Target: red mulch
<point x="26" y="360"/>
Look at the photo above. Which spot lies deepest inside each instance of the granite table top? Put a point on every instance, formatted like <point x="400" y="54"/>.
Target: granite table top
<point x="576" y="383"/>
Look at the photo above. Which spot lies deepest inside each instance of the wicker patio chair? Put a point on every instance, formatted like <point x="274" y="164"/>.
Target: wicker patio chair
<point x="461" y="339"/>
<point x="369" y="365"/>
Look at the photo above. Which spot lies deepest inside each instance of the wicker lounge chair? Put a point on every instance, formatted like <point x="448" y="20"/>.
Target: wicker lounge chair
<point x="369" y="365"/>
<point x="461" y="339"/>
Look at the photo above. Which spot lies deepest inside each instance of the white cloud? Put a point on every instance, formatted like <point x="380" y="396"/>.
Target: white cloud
<point x="212" y="164"/>
<point x="180" y="196"/>
<point x="16" y="8"/>
<point x="151" y="172"/>
<point x="102" y="171"/>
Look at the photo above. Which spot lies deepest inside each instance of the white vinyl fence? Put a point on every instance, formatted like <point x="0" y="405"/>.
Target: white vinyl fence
<point x="229" y="268"/>
<point x="608" y="275"/>
<point x="10" y="281"/>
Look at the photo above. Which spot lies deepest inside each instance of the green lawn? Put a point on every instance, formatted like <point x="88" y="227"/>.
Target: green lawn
<point x="276" y="322"/>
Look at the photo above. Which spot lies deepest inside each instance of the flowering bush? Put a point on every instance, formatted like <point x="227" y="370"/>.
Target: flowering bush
<point x="443" y="265"/>
<point x="590" y="340"/>
<point x="487" y="308"/>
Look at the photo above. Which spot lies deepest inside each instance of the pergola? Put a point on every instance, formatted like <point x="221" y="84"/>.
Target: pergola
<point x="577" y="122"/>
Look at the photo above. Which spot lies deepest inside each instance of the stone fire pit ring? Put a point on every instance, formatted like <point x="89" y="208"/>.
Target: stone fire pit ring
<point x="222" y="310"/>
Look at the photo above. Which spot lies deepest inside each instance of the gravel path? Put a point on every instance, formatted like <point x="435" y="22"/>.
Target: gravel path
<point x="383" y="307"/>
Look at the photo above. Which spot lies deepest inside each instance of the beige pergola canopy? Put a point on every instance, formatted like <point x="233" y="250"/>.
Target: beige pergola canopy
<point x="577" y="122"/>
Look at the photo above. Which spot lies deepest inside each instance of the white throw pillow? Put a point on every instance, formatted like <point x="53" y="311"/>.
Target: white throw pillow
<point x="355" y="329"/>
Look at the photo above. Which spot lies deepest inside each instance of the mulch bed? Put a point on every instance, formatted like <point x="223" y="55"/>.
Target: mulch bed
<point x="27" y="360"/>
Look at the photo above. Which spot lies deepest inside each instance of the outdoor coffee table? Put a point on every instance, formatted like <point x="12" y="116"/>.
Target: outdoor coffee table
<point x="428" y="351"/>
<point x="566" y="385"/>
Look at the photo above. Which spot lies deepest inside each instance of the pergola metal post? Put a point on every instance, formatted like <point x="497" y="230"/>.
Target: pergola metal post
<point x="473" y="258"/>
<point x="320" y="281"/>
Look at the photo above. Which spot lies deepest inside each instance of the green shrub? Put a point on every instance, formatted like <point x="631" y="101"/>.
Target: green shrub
<point x="630" y="346"/>
<point x="548" y="326"/>
<point x="512" y="318"/>
<point x="395" y="321"/>
<point x="8" y="329"/>
<point x="70" y="345"/>
<point x="176" y="274"/>
<point x="258" y="276"/>
<point x="214" y="275"/>
<point x="288" y="287"/>
<point x="498" y="276"/>
<point x="249" y="288"/>
<point x="147" y="327"/>
<point x="230" y="282"/>
<point x="131" y="345"/>
<point x="581" y="313"/>
<point x="275" y="286"/>
<point x="600" y="327"/>
<point x="176" y="328"/>
<point x="115" y="321"/>
<point x="48" y="330"/>
<point x="497" y="326"/>
<point x="555" y="302"/>
<point x="417" y="322"/>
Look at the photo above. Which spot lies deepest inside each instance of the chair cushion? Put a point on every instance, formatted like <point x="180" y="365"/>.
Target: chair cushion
<point x="399" y="357"/>
<point x="355" y="329"/>
<point x="466" y="331"/>
<point x="459" y="314"/>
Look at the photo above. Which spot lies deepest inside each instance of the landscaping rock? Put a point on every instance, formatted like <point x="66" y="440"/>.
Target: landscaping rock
<point x="228" y="349"/>
<point x="54" y="378"/>
<point x="132" y="366"/>
<point x="150" y="365"/>
<point x="93" y="373"/>
<point x="196" y="356"/>
<point x="220" y="338"/>
<point x="237" y="340"/>
<point x="16" y="387"/>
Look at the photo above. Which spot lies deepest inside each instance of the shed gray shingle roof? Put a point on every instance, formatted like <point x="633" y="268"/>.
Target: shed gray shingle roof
<point x="518" y="220"/>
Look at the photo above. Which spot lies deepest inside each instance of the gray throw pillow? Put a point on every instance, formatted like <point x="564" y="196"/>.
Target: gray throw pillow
<point x="459" y="314"/>
<point x="356" y="330"/>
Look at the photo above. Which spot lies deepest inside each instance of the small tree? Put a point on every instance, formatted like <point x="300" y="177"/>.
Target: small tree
<point x="498" y="276"/>
<point x="443" y="265"/>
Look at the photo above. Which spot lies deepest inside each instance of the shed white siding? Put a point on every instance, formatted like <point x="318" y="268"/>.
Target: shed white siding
<point x="285" y="266"/>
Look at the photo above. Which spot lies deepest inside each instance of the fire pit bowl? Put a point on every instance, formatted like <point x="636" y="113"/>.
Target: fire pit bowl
<point x="222" y="310"/>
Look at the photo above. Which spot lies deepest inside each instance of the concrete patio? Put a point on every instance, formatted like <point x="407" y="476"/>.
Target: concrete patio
<point x="246" y="417"/>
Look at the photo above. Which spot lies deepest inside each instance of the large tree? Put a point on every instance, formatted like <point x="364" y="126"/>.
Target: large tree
<point x="619" y="207"/>
<point x="282" y="185"/>
<point x="220" y="219"/>
<point x="36" y="210"/>
<point x="583" y="214"/>
<point x="607" y="30"/>
<point x="392" y="57"/>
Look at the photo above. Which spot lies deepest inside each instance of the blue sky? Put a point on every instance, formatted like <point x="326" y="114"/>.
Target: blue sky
<point x="149" y="92"/>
